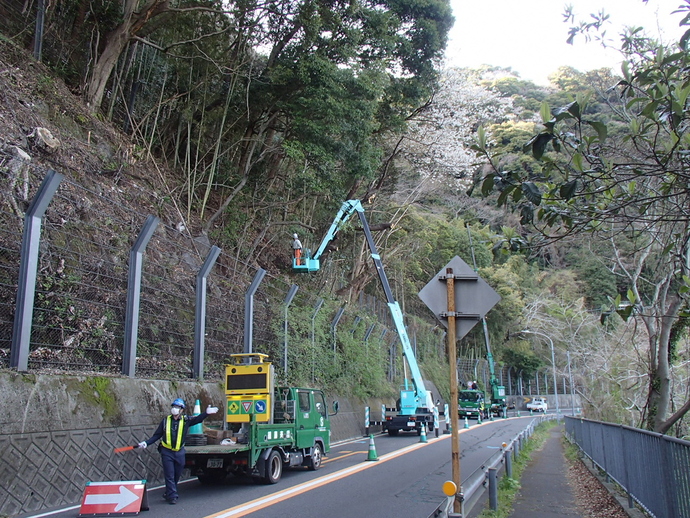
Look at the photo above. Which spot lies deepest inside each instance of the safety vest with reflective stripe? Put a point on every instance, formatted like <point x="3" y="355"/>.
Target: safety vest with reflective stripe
<point x="167" y="442"/>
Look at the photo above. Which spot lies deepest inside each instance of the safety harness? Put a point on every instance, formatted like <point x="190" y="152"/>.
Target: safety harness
<point x="168" y="443"/>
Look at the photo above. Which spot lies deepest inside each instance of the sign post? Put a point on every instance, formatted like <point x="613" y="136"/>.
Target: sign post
<point x="458" y="310"/>
<point x="452" y="360"/>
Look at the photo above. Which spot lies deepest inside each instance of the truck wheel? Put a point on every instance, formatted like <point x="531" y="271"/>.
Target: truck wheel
<point x="315" y="458"/>
<point x="392" y="432"/>
<point x="274" y="468"/>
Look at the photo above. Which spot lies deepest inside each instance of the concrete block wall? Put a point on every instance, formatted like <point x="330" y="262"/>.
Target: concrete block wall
<point x="42" y="470"/>
<point x="59" y="432"/>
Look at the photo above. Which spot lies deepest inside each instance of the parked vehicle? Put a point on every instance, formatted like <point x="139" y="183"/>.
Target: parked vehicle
<point x="266" y="429"/>
<point x="538" y="404"/>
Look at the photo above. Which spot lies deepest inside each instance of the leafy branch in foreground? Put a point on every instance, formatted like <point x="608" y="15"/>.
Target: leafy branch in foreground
<point x="621" y="177"/>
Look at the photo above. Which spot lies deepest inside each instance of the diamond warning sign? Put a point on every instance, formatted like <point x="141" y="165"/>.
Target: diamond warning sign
<point x="233" y="407"/>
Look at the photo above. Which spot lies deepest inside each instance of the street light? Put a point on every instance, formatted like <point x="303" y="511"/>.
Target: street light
<point x="553" y="362"/>
<point x="572" y="388"/>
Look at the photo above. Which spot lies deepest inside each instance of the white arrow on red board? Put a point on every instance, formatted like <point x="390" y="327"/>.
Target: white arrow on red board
<point x="122" y="499"/>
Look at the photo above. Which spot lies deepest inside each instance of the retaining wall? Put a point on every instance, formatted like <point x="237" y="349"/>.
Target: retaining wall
<point x="59" y="432"/>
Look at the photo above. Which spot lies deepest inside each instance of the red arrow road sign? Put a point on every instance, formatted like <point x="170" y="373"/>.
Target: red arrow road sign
<point x="108" y="498"/>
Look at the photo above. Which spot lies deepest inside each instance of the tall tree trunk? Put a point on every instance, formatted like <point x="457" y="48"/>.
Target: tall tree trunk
<point x="659" y="402"/>
<point x="115" y="43"/>
<point x="659" y="397"/>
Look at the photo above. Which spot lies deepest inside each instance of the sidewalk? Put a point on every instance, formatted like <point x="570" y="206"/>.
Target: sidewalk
<point x="545" y="492"/>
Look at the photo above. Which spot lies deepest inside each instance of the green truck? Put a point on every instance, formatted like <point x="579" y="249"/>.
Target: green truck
<point x="267" y="428"/>
<point x="471" y="404"/>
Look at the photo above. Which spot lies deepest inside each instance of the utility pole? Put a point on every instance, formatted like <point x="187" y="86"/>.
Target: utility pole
<point x="572" y="387"/>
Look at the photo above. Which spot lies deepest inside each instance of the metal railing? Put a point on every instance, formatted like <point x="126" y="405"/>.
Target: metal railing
<point x="652" y="468"/>
<point x="484" y="479"/>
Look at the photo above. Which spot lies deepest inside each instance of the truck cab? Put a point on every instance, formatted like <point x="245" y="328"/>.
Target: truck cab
<point x="538" y="404"/>
<point x="471" y="404"/>
<point x="307" y="409"/>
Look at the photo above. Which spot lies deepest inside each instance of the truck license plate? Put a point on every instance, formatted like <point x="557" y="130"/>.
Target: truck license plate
<point x="410" y="424"/>
<point x="214" y="463"/>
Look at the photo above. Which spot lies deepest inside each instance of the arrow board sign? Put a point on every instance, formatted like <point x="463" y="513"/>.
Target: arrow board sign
<point x="473" y="296"/>
<point x="114" y="498"/>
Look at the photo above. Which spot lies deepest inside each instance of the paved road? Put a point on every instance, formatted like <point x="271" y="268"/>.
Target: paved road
<point x="405" y="482"/>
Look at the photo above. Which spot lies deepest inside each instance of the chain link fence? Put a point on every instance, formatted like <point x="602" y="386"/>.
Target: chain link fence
<point x="93" y="221"/>
<point x="82" y="273"/>
<point x="540" y="384"/>
<point x="80" y="304"/>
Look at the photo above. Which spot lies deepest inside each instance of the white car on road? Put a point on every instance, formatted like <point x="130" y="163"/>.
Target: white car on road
<point x="538" y="404"/>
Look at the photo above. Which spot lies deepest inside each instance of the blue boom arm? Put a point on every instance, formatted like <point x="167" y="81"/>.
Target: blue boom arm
<point x="311" y="263"/>
<point x="410" y="399"/>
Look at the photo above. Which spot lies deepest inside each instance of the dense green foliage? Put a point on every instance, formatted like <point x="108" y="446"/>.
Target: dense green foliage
<point x="268" y="116"/>
<point x="618" y="174"/>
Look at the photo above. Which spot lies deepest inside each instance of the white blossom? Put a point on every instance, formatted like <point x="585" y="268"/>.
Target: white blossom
<point x="437" y="144"/>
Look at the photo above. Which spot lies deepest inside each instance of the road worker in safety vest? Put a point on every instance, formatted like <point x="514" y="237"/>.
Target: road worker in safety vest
<point x="172" y="432"/>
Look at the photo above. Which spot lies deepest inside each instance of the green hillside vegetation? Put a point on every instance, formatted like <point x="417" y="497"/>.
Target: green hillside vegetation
<point x="254" y="125"/>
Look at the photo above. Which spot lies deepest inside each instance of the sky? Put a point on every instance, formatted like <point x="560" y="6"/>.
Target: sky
<point x="530" y="36"/>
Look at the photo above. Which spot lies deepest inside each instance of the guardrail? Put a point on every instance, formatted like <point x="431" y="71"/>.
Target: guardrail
<point x="485" y="478"/>
<point x="652" y="468"/>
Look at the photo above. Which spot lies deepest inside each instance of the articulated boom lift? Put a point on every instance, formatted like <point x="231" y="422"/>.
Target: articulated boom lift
<point x="416" y="403"/>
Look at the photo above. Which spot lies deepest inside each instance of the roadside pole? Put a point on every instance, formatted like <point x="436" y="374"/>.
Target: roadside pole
<point x="452" y="360"/>
<point x="458" y="315"/>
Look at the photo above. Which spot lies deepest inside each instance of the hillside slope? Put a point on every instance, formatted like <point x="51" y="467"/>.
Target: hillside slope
<point x="30" y="98"/>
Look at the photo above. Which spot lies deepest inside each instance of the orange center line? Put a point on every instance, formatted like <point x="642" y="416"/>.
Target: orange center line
<point x="346" y="454"/>
<point x="285" y="494"/>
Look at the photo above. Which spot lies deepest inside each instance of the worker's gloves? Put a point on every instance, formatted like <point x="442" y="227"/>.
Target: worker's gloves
<point x="212" y="410"/>
<point x="142" y="445"/>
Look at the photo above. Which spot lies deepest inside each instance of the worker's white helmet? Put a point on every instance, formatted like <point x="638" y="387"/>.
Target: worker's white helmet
<point x="294" y="235"/>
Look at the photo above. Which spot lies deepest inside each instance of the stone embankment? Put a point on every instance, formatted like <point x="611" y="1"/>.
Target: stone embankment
<point x="59" y="432"/>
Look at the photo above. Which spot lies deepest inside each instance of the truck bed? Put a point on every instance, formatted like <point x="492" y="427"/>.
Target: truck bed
<point x="263" y="435"/>
<point x="217" y="448"/>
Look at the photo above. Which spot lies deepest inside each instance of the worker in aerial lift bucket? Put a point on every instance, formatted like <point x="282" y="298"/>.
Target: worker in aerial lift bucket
<point x="297" y="249"/>
<point x="172" y="431"/>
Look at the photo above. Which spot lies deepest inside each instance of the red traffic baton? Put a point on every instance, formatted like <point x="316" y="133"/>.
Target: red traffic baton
<point x="125" y="448"/>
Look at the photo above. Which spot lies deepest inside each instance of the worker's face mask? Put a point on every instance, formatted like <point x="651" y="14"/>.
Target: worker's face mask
<point x="175" y="410"/>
